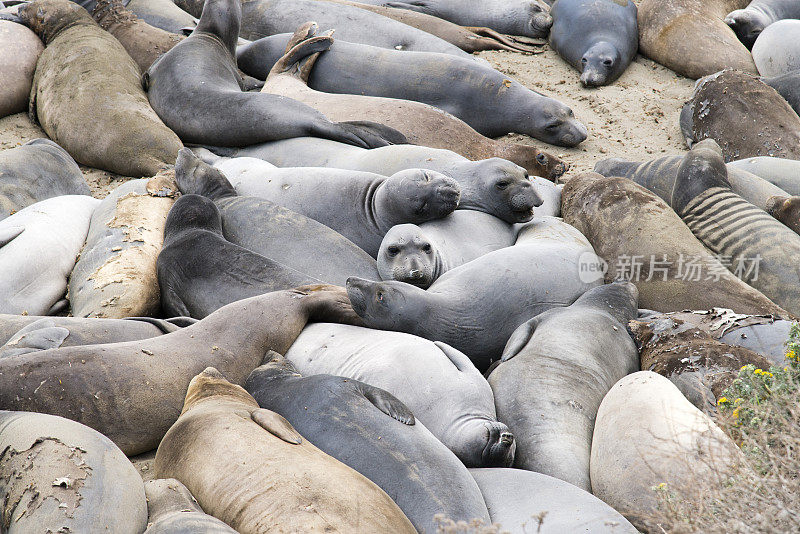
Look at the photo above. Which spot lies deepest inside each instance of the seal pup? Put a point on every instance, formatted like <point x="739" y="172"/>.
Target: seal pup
<point x="38" y="249"/>
<point x="745" y="116"/>
<point x="776" y="51"/>
<point x="748" y="23"/>
<point x="171" y="509"/>
<point x="35" y="171"/>
<point x="250" y="468"/>
<point x="691" y="37"/>
<point x="786" y="210"/>
<point x="277" y="233"/>
<point x="95" y="384"/>
<point x="439" y="384"/>
<point x="371" y="431"/>
<point x="92" y="103"/>
<point x="555" y="371"/>
<point x="600" y="38"/>
<point x="16" y="70"/>
<point x="647" y="433"/>
<point x="516" y="498"/>
<point x="732" y="227"/>
<point x="61" y="476"/>
<point x="199" y="271"/>
<point x="183" y="99"/>
<point x="626" y="222"/>
<point x="781" y="172"/>
<point x="469" y="307"/>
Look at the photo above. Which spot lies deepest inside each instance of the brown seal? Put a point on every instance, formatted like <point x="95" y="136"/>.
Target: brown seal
<point x="16" y="69"/>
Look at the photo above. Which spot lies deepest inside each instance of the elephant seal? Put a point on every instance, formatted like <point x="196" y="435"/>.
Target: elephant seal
<point x="760" y="249"/>
<point x="199" y="271"/>
<point x="274" y="232"/>
<point x="91" y="103"/>
<point x="162" y="14"/>
<point x="786" y="210"/>
<point x="781" y="172"/>
<point x="748" y="23"/>
<point x="16" y="70"/>
<point x="172" y="510"/>
<point x="360" y="206"/>
<point x="236" y="118"/>
<point x="469" y="307"/>
<point x="439" y="384"/>
<point x="419" y="255"/>
<point x="61" y="476"/>
<point x="659" y="176"/>
<point x="777" y="49"/>
<point x="555" y="371"/>
<point x="248" y="467"/>
<point x="763" y="124"/>
<point x="94" y="385"/>
<point x="371" y="431"/>
<point x="487" y="100"/>
<point x="788" y="86"/>
<point x="647" y="433"/>
<point x="38" y="249"/>
<point x="35" y="171"/>
<point x="643" y="240"/>
<point x="691" y="37"/>
<point x="600" y="38"/>
<point x="516" y="498"/>
<point x="699" y="365"/>
<point x="143" y="42"/>
<point x="115" y="276"/>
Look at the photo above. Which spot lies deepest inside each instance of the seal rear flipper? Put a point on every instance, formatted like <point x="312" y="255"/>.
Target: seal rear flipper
<point x="388" y="404"/>
<point x="420" y="6"/>
<point x="276" y="425"/>
<point x="306" y="51"/>
<point x="9" y="234"/>
<point x="196" y="177"/>
<point x="519" y="338"/>
<point x="37" y="336"/>
<point x="369" y="129"/>
<point x="456" y="357"/>
<point x="498" y="41"/>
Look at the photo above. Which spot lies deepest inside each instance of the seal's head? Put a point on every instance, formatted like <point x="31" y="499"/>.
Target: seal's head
<point x="600" y="65"/>
<point x="506" y="191"/>
<point x="701" y="169"/>
<point x="540" y="20"/>
<point x="555" y="123"/>
<point x="489" y="444"/>
<point x="192" y="212"/>
<point x="211" y="383"/>
<point x="747" y="24"/>
<point x="406" y="255"/>
<point x="786" y="210"/>
<point x="419" y="195"/>
<point x="387" y="305"/>
<point x="48" y="18"/>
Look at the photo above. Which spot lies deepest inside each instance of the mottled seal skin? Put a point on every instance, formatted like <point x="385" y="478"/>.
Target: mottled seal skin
<point x="35" y="171"/>
<point x="273" y="231"/>
<point x="788" y="86"/>
<point x="59" y="475"/>
<point x="732" y="227"/>
<point x="38" y="249"/>
<point x="487" y="100"/>
<point x="622" y="219"/>
<point x="95" y="386"/>
<point x="360" y="206"/>
<point x="196" y="89"/>
<point x="781" y="172"/>
<point x="598" y="37"/>
<point x="555" y="371"/>
<point x="371" y="431"/>
<point x="469" y="307"/>
<point x="691" y="37"/>
<point x="143" y="42"/>
<point x="786" y="210"/>
<point x="659" y="176"/>
<point x="777" y="49"/>
<point x="419" y="255"/>
<point x="87" y="95"/>
<point x="248" y="467"/>
<point x="647" y="433"/>
<point x="439" y="384"/>
<point x="516" y="498"/>
<point x="115" y="276"/>
<point x="745" y="116"/>
<point x="748" y="23"/>
<point x="172" y="510"/>
<point x="16" y="70"/>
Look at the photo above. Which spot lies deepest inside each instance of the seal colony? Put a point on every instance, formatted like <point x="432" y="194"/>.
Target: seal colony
<point x="330" y="296"/>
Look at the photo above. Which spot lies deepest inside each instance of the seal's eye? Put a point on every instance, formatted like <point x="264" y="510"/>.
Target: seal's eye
<point x="608" y="62"/>
<point x="503" y="184"/>
<point x="426" y="248"/>
<point x="379" y="296"/>
<point x="584" y="60"/>
<point x="541" y="159"/>
<point x="393" y="251"/>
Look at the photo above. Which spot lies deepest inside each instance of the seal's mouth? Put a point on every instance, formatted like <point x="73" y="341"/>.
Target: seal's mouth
<point x="500" y="446"/>
<point x="416" y="277"/>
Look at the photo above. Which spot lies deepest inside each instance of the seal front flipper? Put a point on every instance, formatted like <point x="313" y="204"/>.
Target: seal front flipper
<point x="519" y="339"/>
<point x="380" y="131"/>
<point x="388" y="404"/>
<point x="420" y="6"/>
<point x="172" y="304"/>
<point x="196" y="177"/>
<point x="687" y="124"/>
<point x="58" y="307"/>
<point x="39" y="335"/>
<point x="276" y="425"/>
<point x="8" y="234"/>
<point x="458" y="358"/>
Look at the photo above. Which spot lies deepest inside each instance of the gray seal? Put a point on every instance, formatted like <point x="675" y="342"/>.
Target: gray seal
<point x="555" y="371"/>
<point x="781" y="172"/>
<point x="373" y="432"/>
<point x="777" y="49"/>
<point x="600" y="38"/>
<point x="788" y="86"/>
<point x="16" y="70"/>
<point x="172" y="509"/>
<point x="189" y="100"/>
<point x="748" y="23"/>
